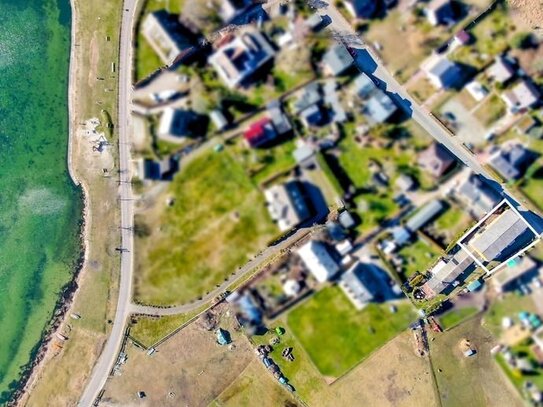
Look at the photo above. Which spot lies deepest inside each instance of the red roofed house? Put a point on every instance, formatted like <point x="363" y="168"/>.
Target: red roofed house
<point x="260" y="132"/>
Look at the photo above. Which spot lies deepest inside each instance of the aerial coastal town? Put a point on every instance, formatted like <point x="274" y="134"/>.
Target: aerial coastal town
<point x="320" y="203"/>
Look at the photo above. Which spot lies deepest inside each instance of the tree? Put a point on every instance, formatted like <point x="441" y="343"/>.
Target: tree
<point x="522" y="40"/>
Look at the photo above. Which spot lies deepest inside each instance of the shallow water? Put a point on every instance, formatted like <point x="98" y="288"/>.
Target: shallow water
<point x="40" y="209"/>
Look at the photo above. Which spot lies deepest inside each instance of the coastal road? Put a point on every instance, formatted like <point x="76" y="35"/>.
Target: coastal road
<point x="109" y="353"/>
<point x="239" y="275"/>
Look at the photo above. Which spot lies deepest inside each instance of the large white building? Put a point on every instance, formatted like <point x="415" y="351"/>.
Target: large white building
<point x="318" y="261"/>
<point x="162" y="33"/>
<point x="286" y="205"/>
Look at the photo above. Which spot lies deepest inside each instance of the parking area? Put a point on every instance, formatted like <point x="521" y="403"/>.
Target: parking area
<point x="463" y="122"/>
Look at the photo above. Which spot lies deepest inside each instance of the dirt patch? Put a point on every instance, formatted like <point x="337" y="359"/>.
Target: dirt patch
<point x="189" y="369"/>
<point x="94" y="56"/>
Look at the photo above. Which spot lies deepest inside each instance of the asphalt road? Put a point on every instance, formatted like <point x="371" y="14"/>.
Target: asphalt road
<point x="109" y="353"/>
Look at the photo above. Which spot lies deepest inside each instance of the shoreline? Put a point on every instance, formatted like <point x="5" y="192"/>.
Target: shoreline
<point x="39" y="355"/>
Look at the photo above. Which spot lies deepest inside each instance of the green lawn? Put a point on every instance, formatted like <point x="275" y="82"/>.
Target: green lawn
<point x="337" y="336"/>
<point x="374" y="208"/>
<point x="218" y="220"/>
<point x="456" y="316"/>
<point x="491" y="110"/>
<point x="509" y="306"/>
<point x="533" y="188"/>
<point x="452" y="222"/>
<point x="148" y="330"/>
<point x="418" y="257"/>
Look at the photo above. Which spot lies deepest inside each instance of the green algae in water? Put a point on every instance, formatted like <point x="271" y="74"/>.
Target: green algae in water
<point x="40" y="208"/>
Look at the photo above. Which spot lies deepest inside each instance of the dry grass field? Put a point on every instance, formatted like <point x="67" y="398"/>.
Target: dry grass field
<point x="189" y="369"/>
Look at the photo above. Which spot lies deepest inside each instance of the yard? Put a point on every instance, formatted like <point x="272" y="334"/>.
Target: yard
<point x="418" y="257"/>
<point x="492" y="109"/>
<point x="523" y="350"/>
<point x="469" y="381"/>
<point x="509" y="306"/>
<point x="217" y="221"/>
<point x="337" y="336"/>
<point x="452" y="223"/>
<point x="533" y="188"/>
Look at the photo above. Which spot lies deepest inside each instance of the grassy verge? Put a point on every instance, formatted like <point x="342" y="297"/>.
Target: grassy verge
<point x="457" y="316"/>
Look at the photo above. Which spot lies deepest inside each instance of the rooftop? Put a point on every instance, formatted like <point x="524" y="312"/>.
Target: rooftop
<point x="286" y="204"/>
<point x="318" y="260"/>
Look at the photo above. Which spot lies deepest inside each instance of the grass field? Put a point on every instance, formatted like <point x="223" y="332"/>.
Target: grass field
<point x="255" y="383"/>
<point x="516" y="377"/>
<point x="418" y="257"/>
<point x="456" y="316"/>
<point x="533" y="188"/>
<point x="452" y="222"/>
<point x="148" y="330"/>
<point x="337" y="336"/>
<point x="474" y="381"/>
<point x="218" y="220"/>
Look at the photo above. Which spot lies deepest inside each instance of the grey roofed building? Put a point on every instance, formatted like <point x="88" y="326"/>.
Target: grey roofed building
<point x="308" y="96"/>
<point x="501" y="70"/>
<point x="380" y="107"/>
<point x="424" y="215"/>
<point x="331" y="98"/>
<point x="164" y="35"/>
<point x="522" y="96"/>
<point x="346" y="220"/>
<point x="361" y="8"/>
<point x="177" y="124"/>
<point x="287" y="204"/>
<point x="436" y="159"/>
<point x="377" y="104"/>
<point x="318" y="261"/>
<point x="518" y="268"/>
<point x="163" y="170"/>
<point x="359" y="284"/>
<point x="446" y="272"/>
<point x="304" y="154"/>
<point x="443" y="73"/>
<point x="278" y="117"/>
<point x="405" y="182"/>
<point x="337" y="60"/>
<point x="218" y="119"/>
<point x="477" y="195"/>
<point x="501" y="237"/>
<point x="439" y="12"/>
<point x="238" y="59"/>
<point x="511" y="162"/>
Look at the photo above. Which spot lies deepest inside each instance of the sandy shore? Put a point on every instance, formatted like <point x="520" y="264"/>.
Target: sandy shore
<point x="42" y="353"/>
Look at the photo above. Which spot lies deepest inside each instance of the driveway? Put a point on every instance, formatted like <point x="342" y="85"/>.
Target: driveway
<point x="468" y="128"/>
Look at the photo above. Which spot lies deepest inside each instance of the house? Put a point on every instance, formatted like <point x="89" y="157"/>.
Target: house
<point x="440" y="12"/>
<point x="318" y="260"/>
<point x="522" y="96"/>
<point x="331" y="98"/>
<point x="425" y="215"/>
<point x="376" y="103"/>
<point x="449" y="273"/>
<point x="177" y="124"/>
<point x="501" y="237"/>
<point x="314" y="22"/>
<point x="241" y="56"/>
<point x="476" y="90"/>
<point x="152" y="170"/>
<point x="442" y="73"/>
<point x="310" y="95"/>
<point x="405" y="183"/>
<point x="359" y="284"/>
<point x="313" y="116"/>
<point x="287" y="204"/>
<point x="346" y="220"/>
<point x="260" y="133"/>
<point x="279" y="118"/>
<point x="337" y="60"/>
<point x="511" y="161"/>
<point x="165" y="35"/>
<point x="501" y="70"/>
<point x="478" y="197"/>
<point x="304" y="154"/>
<point x="228" y="9"/>
<point x="361" y="8"/>
<point x="436" y="159"/>
<point x="519" y="269"/>
<point x="218" y="119"/>
<point x="462" y="37"/>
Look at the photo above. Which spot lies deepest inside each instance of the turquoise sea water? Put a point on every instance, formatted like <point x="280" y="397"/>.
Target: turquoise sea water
<point x="40" y="209"/>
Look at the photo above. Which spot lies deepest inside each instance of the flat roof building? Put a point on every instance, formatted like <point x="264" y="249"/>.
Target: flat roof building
<point x="318" y="260"/>
<point x="163" y="33"/>
<point x="287" y="204"/>
<point x="425" y="215"/>
<point x="499" y="239"/>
